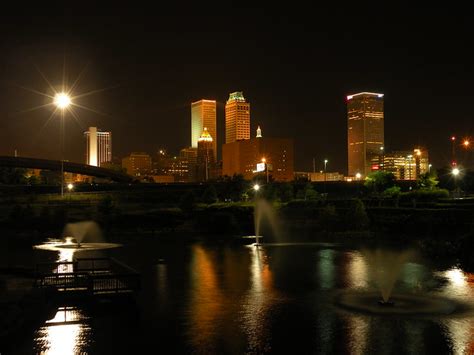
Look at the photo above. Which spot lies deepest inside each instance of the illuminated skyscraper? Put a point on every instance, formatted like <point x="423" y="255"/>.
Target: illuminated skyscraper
<point x="237" y="118"/>
<point x="365" y="131"/>
<point x="98" y="146"/>
<point x="203" y="114"/>
<point x="205" y="157"/>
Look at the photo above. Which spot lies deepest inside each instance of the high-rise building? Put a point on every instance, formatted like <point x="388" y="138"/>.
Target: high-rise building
<point x="205" y="157"/>
<point x="259" y="155"/>
<point x="98" y="146"/>
<point x="203" y="114"/>
<point x="365" y="131"/>
<point x="237" y="118"/>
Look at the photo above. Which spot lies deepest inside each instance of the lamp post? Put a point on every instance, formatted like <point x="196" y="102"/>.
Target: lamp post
<point x="429" y="169"/>
<point x="62" y="102"/>
<point x="325" y="173"/>
<point x="455" y="173"/>
<point x="382" y="162"/>
<point x="453" y="151"/>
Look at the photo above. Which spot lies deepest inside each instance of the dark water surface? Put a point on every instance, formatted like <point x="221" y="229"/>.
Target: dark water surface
<point x="206" y="298"/>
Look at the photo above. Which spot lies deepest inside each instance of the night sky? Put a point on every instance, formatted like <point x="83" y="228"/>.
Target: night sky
<point x="295" y="67"/>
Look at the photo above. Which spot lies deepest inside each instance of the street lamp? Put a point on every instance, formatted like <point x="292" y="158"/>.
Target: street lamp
<point x="70" y="187"/>
<point x="382" y="162"/>
<point x="256" y="187"/>
<point x="325" y="174"/>
<point x="429" y="169"/>
<point x="358" y="176"/>
<point x="456" y="173"/>
<point x="453" y="151"/>
<point x="62" y="102"/>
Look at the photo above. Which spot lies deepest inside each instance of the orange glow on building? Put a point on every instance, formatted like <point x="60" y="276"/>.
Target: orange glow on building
<point x="237" y="118"/>
<point x="242" y="157"/>
<point x="365" y="134"/>
<point x="203" y="114"/>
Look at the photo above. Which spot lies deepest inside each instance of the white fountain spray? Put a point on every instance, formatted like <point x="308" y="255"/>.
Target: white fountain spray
<point x="264" y="210"/>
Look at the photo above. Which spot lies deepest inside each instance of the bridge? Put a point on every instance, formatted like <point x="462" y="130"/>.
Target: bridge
<point x="76" y="168"/>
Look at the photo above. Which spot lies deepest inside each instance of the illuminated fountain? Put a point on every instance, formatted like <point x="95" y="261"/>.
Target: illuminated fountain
<point x="384" y="267"/>
<point x="263" y="210"/>
<point x="80" y="236"/>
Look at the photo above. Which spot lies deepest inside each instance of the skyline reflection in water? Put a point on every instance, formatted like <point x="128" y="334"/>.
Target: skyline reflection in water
<point x="223" y="299"/>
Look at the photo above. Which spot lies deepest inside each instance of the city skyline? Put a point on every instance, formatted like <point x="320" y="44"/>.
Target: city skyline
<point x="295" y="71"/>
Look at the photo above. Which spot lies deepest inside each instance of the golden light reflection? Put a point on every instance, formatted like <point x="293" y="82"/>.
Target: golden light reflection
<point x="206" y="304"/>
<point x="460" y="283"/>
<point x="64" y="334"/>
<point x="461" y="330"/>
<point x="358" y="331"/>
<point x="260" y="297"/>
<point x="358" y="271"/>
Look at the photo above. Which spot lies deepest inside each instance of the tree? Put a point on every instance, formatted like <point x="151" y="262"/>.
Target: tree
<point x="427" y="181"/>
<point x="285" y="192"/>
<point x="328" y="218"/>
<point x="358" y="215"/>
<point x="13" y="176"/>
<point x="210" y="195"/>
<point x="379" y="181"/>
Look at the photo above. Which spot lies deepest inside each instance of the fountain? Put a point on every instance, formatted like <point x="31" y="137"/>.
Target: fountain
<point x="263" y="210"/>
<point x="80" y="236"/>
<point x="384" y="267"/>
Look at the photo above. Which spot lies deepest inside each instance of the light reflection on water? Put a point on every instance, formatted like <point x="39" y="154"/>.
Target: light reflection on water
<point x="66" y="333"/>
<point x="247" y="299"/>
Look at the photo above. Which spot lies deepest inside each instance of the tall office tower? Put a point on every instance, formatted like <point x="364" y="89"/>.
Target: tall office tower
<point x="98" y="146"/>
<point x="203" y="114"/>
<point x="237" y="118"/>
<point x="205" y="157"/>
<point x="365" y="131"/>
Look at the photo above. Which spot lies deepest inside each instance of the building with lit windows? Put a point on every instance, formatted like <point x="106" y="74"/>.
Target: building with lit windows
<point x="138" y="164"/>
<point x="259" y="155"/>
<point x="404" y="164"/>
<point x="203" y="114"/>
<point x="237" y="118"/>
<point x="365" y="131"/>
<point x="98" y="146"/>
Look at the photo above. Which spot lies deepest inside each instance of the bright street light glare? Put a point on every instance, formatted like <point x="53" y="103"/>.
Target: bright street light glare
<point x="70" y="186"/>
<point x="358" y="176"/>
<point x="62" y="100"/>
<point x="256" y="187"/>
<point x="455" y="171"/>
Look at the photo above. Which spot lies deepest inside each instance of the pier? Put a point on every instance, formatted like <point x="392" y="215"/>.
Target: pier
<point x="88" y="276"/>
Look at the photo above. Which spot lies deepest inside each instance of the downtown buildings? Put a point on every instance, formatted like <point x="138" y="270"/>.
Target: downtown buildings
<point x="272" y="157"/>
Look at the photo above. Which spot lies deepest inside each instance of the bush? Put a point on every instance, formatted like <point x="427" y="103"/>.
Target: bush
<point x="187" y="202"/>
<point x="358" y="218"/>
<point x="285" y="192"/>
<point x="210" y="195"/>
<point x="328" y="218"/>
